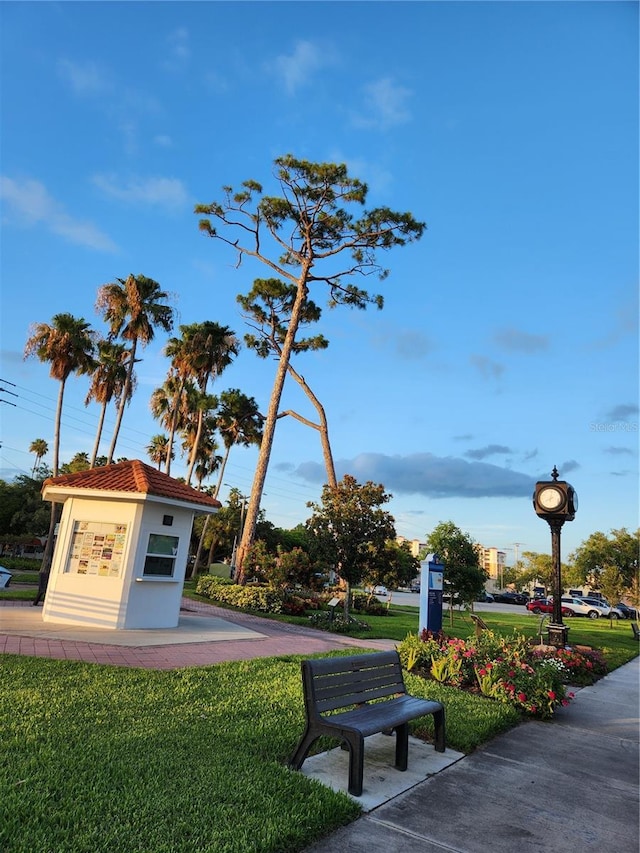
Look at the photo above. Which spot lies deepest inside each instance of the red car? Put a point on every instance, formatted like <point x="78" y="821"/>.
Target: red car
<point x="545" y="605"/>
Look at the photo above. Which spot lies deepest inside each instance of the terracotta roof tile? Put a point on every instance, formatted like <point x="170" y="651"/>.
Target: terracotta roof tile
<point x="135" y="477"/>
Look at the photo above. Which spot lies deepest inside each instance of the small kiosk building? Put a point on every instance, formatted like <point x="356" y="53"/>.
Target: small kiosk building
<point x="121" y="552"/>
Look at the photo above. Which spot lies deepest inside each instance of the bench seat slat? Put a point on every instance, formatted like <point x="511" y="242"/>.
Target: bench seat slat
<point x="370" y="719"/>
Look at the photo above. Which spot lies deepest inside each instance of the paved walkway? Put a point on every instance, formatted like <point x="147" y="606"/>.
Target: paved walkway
<point x="206" y="634"/>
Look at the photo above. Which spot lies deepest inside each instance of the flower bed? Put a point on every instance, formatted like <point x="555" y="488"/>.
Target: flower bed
<point x="507" y="669"/>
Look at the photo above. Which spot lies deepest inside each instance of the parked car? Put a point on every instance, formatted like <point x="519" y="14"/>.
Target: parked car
<point x="579" y="607"/>
<point x="610" y="612"/>
<point x="414" y="586"/>
<point x="545" y="605"/>
<point x="380" y="590"/>
<point x="5" y="577"/>
<point x="627" y="611"/>
<point x="508" y="597"/>
<point x="485" y="596"/>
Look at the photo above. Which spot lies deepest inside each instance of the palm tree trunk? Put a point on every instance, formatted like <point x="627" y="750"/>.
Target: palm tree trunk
<point x="123" y="401"/>
<point x="194" y="449"/>
<point x="47" y="557"/>
<point x="206" y="521"/>
<point x="96" y="446"/>
<point x="174" y="425"/>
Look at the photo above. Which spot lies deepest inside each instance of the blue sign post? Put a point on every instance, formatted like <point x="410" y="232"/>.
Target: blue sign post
<point x="431" y="583"/>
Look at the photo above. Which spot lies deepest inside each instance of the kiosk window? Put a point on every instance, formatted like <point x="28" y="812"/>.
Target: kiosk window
<point x="161" y="555"/>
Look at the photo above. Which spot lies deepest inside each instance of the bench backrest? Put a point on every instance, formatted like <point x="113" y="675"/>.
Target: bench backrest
<point x="334" y="683"/>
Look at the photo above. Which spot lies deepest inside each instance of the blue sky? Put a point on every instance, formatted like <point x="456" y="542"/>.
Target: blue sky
<point x="508" y="340"/>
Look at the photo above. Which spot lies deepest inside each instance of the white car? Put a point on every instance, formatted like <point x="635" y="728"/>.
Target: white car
<point x="608" y="611"/>
<point x="580" y="607"/>
<point x="5" y="577"/>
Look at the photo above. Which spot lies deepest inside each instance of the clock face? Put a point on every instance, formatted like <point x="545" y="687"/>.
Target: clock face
<point x="574" y="500"/>
<point x="550" y="498"/>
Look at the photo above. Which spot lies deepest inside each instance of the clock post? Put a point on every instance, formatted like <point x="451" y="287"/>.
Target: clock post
<point x="556" y="501"/>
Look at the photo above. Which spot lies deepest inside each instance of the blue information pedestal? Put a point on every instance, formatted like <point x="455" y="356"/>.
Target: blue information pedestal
<point x="431" y="578"/>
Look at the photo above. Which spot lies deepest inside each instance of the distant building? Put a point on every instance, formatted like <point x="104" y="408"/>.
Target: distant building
<point x="415" y="545"/>
<point x="493" y="562"/>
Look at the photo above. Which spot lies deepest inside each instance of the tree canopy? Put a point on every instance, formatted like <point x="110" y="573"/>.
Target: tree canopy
<point x="350" y="530"/>
<point x="463" y="576"/>
<point x="308" y="236"/>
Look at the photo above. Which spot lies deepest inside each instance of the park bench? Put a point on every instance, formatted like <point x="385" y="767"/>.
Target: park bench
<point x="352" y="697"/>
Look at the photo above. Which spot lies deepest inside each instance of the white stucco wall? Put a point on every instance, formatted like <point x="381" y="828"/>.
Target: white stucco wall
<point x="97" y="574"/>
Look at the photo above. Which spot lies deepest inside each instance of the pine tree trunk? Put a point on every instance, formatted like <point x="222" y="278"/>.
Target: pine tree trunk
<point x="249" y="530"/>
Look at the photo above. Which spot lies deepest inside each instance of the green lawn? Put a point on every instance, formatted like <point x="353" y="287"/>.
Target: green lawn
<point x="97" y="759"/>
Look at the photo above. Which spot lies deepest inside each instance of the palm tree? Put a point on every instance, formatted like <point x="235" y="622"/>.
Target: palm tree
<point x="179" y="351"/>
<point x="107" y="383"/>
<point x="171" y="404"/>
<point x="69" y="345"/>
<point x="239" y="422"/>
<point x="211" y="349"/>
<point x="157" y="449"/>
<point x="40" y="447"/>
<point x="132" y="308"/>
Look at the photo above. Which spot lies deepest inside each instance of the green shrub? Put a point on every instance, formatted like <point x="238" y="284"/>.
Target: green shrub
<point x="366" y="604"/>
<point x="336" y="622"/>
<point x="262" y="599"/>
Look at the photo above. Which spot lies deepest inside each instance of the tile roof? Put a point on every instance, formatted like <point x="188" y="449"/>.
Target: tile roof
<point x="135" y="477"/>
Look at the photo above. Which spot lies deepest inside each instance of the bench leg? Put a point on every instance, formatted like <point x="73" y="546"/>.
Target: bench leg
<point x="297" y="759"/>
<point x="402" y="746"/>
<point x="439" y="732"/>
<point x="355" y="742"/>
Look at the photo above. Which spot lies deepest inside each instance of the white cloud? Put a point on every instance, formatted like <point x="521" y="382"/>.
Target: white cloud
<point x="179" y="49"/>
<point x="297" y="68"/>
<point x="28" y="203"/>
<point x="84" y="79"/>
<point x="385" y="105"/>
<point x="169" y="193"/>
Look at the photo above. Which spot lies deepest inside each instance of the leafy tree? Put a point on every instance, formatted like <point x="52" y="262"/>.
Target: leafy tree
<point x="40" y="448"/>
<point x="463" y="576"/>
<point x="108" y="383"/>
<point x="133" y="308"/>
<point x="22" y="510"/>
<point x="69" y="345"/>
<point x="350" y="530"/>
<point x="602" y="556"/>
<point x="536" y="568"/>
<point x="395" y="567"/>
<point x="300" y="235"/>
<point x="80" y="462"/>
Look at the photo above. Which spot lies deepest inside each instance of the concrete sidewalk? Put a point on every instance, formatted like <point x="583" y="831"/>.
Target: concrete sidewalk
<point x="569" y="784"/>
